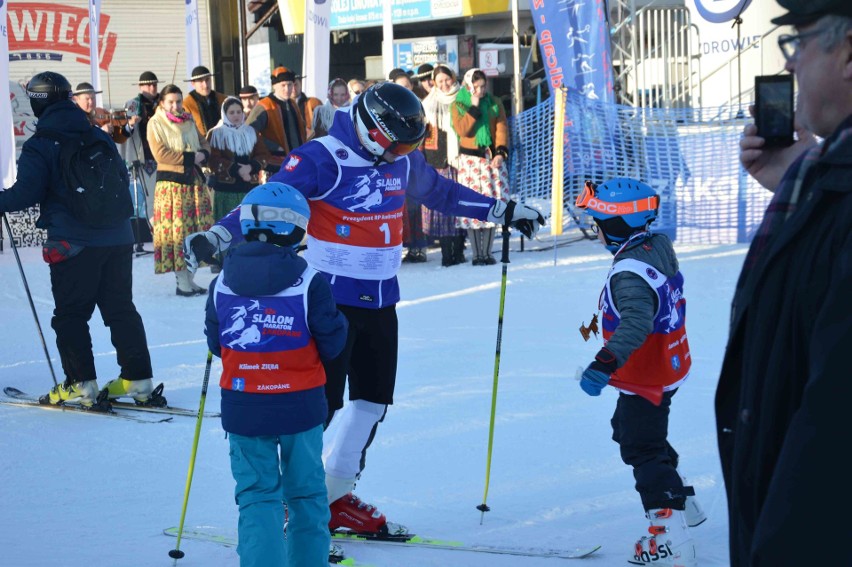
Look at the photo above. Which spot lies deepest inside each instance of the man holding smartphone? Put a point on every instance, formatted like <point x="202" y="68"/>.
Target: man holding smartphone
<point x="773" y="109"/>
<point x="785" y="386"/>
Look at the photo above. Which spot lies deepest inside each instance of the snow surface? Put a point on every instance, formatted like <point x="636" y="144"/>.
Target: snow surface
<point x="81" y="491"/>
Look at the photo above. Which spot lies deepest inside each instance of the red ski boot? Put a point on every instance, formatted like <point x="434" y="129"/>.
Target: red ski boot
<point x="350" y="513"/>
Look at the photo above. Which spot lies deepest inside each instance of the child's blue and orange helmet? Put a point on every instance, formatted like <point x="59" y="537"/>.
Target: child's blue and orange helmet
<point x="619" y="207"/>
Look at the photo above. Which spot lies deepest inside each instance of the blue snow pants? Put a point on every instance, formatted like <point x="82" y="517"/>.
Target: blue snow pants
<point x="265" y="482"/>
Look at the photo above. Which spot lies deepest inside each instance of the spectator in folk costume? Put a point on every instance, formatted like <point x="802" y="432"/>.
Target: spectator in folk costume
<point x="479" y="120"/>
<point x="355" y="180"/>
<point x="423" y="82"/>
<point x="84" y="97"/>
<point x="441" y="148"/>
<point x="356" y="87"/>
<point x="136" y="150"/>
<point x="181" y="201"/>
<point x="237" y="156"/>
<point x="202" y="102"/>
<point x="338" y="97"/>
<point x="307" y="106"/>
<point x="643" y="310"/>
<point x="274" y="411"/>
<point x="277" y="118"/>
<point x="249" y="97"/>
<point x="413" y="236"/>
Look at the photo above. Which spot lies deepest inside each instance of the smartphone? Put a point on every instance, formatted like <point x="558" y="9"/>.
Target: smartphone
<point x="774" y="109"/>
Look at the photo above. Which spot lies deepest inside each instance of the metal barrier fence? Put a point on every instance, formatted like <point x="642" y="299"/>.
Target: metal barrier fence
<point x="690" y="156"/>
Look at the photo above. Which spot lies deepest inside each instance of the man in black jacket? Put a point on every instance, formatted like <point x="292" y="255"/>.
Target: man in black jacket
<point x="783" y="395"/>
<point x="89" y="266"/>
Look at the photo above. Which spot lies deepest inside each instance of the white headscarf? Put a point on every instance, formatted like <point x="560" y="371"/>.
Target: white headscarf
<point x="436" y="105"/>
<point x="468" y="78"/>
<point x="238" y="138"/>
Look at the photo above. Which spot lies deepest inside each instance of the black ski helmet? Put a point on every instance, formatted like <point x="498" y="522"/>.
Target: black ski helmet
<point x="389" y="117"/>
<point x="46" y="88"/>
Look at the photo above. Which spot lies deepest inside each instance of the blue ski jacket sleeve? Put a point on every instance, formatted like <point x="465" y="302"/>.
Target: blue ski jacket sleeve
<point x="354" y="236"/>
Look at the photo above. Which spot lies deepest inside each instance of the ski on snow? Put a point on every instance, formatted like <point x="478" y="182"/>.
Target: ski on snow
<point x="227" y="541"/>
<point x="432" y="543"/>
<point x="22" y="399"/>
<point x="17" y="394"/>
<point x="412" y="541"/>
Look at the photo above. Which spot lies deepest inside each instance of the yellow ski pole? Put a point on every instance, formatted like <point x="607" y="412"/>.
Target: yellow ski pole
<point x="176" y="553"/>
<point x="505" y="261"/>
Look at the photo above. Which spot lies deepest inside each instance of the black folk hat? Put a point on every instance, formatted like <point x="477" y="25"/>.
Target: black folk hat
<point x="248" y="92"/>
<point x="84" y="88"/>
<point x="199" y="73"/>
<point x="283" y="74"/>
<point x="148" y="78"/>
<point x="803" y="12"/>
<point x="424" y="71"/>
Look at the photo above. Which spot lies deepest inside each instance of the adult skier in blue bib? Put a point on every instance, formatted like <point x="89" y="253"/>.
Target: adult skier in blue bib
<point x="356" y="180"/>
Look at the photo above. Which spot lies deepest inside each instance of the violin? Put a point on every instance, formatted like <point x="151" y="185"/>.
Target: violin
<point x="115" y="118"/>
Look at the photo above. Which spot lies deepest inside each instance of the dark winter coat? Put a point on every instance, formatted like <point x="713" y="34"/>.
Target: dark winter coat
<point x="257" y="269"/>
<point x="786" y="386"/>
<point x="40" y="182"/>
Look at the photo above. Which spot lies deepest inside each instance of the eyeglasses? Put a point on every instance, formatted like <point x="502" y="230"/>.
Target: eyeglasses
<point x="791" y="44"/>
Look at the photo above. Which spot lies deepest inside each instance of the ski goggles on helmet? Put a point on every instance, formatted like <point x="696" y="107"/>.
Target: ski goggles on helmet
<point x="588" y="199"/>
<point x="395" y="147"/>
<point x="265" y="214"/>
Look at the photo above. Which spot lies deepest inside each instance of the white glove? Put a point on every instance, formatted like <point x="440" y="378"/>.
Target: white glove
<point x="204" y="246"/>
<point x="519" y="216"/>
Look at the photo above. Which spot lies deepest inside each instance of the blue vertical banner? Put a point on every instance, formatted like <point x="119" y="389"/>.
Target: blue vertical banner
<point x="573" y="36"/>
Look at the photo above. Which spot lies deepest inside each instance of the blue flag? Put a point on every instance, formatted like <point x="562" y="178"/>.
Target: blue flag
<point x="573" y="36"/>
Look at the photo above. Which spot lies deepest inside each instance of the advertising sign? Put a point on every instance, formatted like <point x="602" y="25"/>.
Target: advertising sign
<point x="411" y="53"/>
<point x="732" y="54"/>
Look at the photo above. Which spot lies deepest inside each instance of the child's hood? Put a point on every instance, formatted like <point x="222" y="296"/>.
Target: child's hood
<point x="259" y="268"/>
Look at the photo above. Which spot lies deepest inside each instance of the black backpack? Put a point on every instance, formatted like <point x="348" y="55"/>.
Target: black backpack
<point x="96" y="177"/>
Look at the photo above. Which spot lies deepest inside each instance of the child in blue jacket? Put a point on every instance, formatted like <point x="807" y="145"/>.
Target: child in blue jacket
<point x="272" y="320"/>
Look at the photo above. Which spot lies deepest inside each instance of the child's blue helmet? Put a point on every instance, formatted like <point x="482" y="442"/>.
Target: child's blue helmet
<point x="276" y="213"/>
<point x="620" y="207"/>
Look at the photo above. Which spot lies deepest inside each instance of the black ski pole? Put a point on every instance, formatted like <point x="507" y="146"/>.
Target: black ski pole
<point x="29" y="297"/>
<point x="505" y="261"/>
<point x="176" y="553"/>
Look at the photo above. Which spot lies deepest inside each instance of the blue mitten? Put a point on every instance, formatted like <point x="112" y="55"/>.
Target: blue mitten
<point x="597" y="374"/>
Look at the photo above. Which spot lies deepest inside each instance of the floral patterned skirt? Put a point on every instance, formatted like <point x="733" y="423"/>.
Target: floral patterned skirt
<point x="179" y="210"/>
<point x="476" y="172"/>
<point x="435" y="223"/>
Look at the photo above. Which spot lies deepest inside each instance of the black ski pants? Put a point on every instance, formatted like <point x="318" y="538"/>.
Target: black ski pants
<point x="641" y="430"/>
<point x="102" y="277"/>
<point x="367" y="363"/>
<point x="368" y="360"/>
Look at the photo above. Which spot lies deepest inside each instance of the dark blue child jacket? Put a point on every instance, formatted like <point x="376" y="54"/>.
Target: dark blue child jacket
<point x="256" y="270"/>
